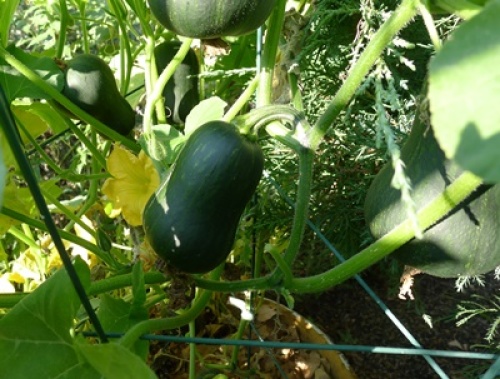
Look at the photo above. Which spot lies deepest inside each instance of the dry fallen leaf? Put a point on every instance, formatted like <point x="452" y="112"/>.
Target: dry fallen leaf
<point x="266" y="312"/>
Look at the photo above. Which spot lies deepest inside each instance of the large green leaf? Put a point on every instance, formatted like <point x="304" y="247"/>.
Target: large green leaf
<point x="464" y="93"/>
<point x="17" y="85"/>
<point x="36" y="339"/>
<point x="21" y="200"/>
<point x="162" y="145"/>
<point x="210" y="109"/>
<point x="35" y="336"/>
<point x="116" y="317"/>
<point x="43" y="117"/>
<point x="113" y="361"/>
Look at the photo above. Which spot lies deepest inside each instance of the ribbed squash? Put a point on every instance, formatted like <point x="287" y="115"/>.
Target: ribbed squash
<point x="211" y="18"/>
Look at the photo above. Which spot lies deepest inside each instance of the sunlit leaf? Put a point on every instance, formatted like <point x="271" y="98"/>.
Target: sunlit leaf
<point x="162" y="145"/>
<point x="210" y="109"/>
<point x="21" y="200"/>
<point x="41" y="326"/>
<point x="113" y="361"/>
<point x="46" y="114"/>
<point x="116" y="317"/>
<point x="33" y="124"/>
<point x="464" y="92"/>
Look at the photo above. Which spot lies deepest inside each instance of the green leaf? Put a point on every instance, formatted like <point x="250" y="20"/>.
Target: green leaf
<point x="113" y="314"/>
<point x="139" y="291"/>
<point x="36" y="338"/>
<point x="465" y="95"/>
<point x="113" y="361"/>
<point x="16" y="85"/>
<point x="38" y="329"/>
<point x="162" y="145"/>
<point x="210" y="109"/>
<point x="22" y="201"/>
<point x="44" y="114"/>
<point x="116" y="316"/>
<point x="34" y="125"/>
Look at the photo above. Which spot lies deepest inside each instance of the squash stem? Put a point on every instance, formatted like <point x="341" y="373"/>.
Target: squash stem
<point x="273" y="34"/>
<point x="306" y="159"/>
<point x="66" y="212"/>
<point x="430" y="26"/>
<point x="21" y="236"/>
<point x="453" y="195"/>
<point x="62" y="28"/>
<point x="192" y="351"/>
<point x="148" y="326"/>
<point x="93" y="187"/>
<point x="157" y="90"/>
<point x="242" y="101"/>
<point x="260" y="283"/>
<point x="85" y="34"/>
<point x="382" y="38"/>
<point x="267" y="115"/>
<point x="8" y="300"/>
<point x="238" y="336"/>
<point x="125" y="52"/>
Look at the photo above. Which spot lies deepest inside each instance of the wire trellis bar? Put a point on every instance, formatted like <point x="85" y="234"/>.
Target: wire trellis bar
<point x="493" y="370"/>
<point x="310" y="346"/>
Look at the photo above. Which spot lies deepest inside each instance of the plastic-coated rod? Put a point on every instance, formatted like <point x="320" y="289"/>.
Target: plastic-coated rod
<point x="493" y="370"/>
<point x="12" y="135"/>
<point x="309" y="346"/>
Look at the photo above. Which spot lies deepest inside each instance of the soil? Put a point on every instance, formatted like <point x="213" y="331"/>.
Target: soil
<point x="350" y="316"/>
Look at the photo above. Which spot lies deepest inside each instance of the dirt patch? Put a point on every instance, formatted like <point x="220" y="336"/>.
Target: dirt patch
<point x="349" y="316"/>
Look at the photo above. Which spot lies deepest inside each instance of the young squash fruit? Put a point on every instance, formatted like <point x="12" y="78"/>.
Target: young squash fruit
<point x="464" y="243"/>
<point x="90" y="84"/>
<point x="210" y="19"/>
<point x="191" y="220"/>
<point x="181" y="91"/>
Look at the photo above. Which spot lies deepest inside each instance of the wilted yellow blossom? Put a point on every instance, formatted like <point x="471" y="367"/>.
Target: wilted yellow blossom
<point x="134" y="181"/>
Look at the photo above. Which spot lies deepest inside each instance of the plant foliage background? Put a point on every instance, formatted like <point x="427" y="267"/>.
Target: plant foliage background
<point x="83" y="175"/>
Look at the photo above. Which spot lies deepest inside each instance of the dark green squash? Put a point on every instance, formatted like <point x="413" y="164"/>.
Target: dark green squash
<point x="191" y="221"/>
<point x="90" y="84"/>
<point x="465" y="242"/>
<point x="211" y="18"/>
<point x="181" y="91"/>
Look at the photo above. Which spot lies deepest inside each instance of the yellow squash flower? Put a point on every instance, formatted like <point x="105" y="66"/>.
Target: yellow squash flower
<point x="134" y="181"/>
